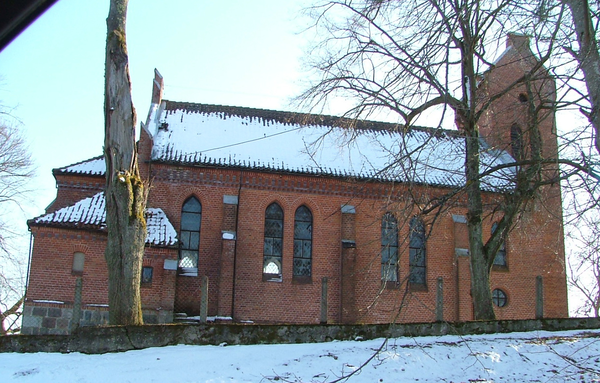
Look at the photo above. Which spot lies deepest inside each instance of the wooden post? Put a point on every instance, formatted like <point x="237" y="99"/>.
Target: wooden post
<point x="204" y="299"/>
<point x="539" y="297"/>
<point x="324" y="300"/>
<point x="439" y="304"/>
<point x="76" y="305"/>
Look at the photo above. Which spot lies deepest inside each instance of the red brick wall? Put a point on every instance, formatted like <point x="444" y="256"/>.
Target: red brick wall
<point x="73" y="188"/>
<point x="51" y="276"/>
<point x="293" y="302"/>
<point x="533" y="248"/>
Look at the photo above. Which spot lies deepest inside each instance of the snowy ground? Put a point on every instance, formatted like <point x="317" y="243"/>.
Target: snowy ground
<point x="519" y="357"/>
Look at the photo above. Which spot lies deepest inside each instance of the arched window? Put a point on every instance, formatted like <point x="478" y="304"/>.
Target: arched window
<point x="499" y="298"/>
<point x="516" y="142"/>
<point x="189" y="236"/>
<point x="500" y="258"/>
<point x="418" y="272"/>
<point x="389" y="248"/>
<point x="78" y="262"/>
<point x="303" y="242"/>
<point x="273" y="246"/>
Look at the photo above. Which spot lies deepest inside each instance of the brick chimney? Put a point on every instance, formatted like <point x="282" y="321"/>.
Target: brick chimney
<point x="158" y="87"/>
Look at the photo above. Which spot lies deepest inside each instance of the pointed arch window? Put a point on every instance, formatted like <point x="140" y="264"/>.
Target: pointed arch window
<point x="516" y="142"/>
<point x="189" y="236"/>
<point x="273" y="242"/>
<point x="303" y="229"/>
<point x="417" y="252"/>
<point x="389" y="248"/>
<point x="500" y="257"/>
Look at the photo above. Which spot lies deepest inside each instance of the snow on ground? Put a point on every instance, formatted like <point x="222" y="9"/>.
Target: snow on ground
<point x="518" y="357"/>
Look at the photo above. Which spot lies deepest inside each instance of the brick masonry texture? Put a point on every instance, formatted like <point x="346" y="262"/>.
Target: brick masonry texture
<point x="346" y="246"/>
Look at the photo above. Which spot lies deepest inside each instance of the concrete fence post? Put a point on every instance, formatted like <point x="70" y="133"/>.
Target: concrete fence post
<point x="324" y="300"/>
<point x="439" y="304"/>
<point x="539" y="297"/>
<point x="76" y="318"/>
<point x="204" y="299"/>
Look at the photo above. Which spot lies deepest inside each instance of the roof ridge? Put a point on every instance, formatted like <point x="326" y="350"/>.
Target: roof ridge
<point x="301" y="118"/>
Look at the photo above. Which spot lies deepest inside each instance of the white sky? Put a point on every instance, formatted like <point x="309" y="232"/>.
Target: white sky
<point x="234" y="52"/>
<point x="517" y="357"/>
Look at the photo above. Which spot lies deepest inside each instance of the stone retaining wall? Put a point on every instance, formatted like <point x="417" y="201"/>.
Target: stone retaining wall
<point x="96" y="340"/>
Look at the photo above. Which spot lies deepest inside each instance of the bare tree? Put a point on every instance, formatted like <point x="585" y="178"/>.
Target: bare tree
<point x="584" y="274"/>
<point x="412" y="57"/>
<point x="585" y="23"/>
<point x="16" y="169"/>
<point x="125" y="191"/>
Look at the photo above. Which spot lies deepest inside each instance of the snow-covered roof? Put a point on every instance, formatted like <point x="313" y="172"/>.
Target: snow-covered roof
<point x="91" y="213"/>
<point x="214" y="135"/>
<point x="94" y="166"/>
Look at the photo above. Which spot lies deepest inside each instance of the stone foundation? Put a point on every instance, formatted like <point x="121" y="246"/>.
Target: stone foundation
<point x="54" y="319"/>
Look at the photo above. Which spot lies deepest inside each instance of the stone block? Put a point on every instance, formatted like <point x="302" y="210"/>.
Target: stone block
<point x="48" y="322"/>
<point x="40" y="311"/>
<point x="32" y="321"/>
<point x="54" y="312"/>
<point x="150" y="319"/>
<point x="63" y="323"/>
<point x="27" y="310"/>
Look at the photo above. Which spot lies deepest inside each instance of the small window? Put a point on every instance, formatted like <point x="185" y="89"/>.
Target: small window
<point x="273" y="242"/>
<point x="303" y="228"/>
<point x="417" y="254"/>
<point x="523" y="98"/>
<point x="499" y="298"/>
<point x="78" y="262"/>
<point x="147" y="275"/>
<point x="500" y="258"/>
<point x="389" y="248"/>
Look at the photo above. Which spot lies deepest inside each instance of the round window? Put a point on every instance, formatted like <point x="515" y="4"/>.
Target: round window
<point x="499" y="298"/>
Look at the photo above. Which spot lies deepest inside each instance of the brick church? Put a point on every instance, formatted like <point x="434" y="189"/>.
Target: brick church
<point x="278" y="217"/>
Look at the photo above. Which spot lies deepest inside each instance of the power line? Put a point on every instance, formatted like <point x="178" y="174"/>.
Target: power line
<point x="248" y="141"/>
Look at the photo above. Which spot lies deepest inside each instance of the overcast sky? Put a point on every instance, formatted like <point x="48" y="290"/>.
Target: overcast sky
<point x="230" y="52"/>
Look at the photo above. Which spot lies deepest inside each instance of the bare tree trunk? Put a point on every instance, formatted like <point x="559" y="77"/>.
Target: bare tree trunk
<point x="588" y="58"/>
<point x="125" y="192"/>
<point x="11" y="311"/>
<point x="480" y="265"/>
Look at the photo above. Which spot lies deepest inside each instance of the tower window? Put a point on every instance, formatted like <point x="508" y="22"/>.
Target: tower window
<point x="500" y="257"/>
<point x="516" y="142"/>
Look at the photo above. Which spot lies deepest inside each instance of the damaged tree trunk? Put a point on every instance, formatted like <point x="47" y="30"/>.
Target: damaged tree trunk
<point x="125" y="192"/>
